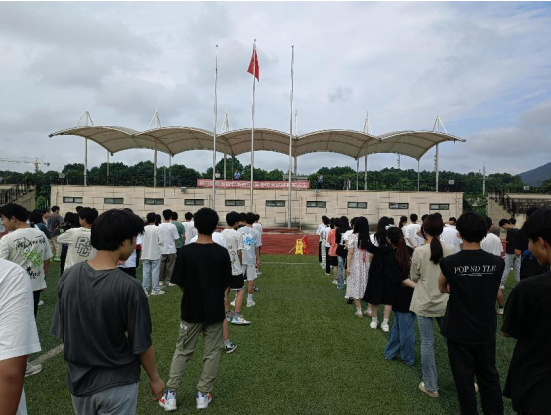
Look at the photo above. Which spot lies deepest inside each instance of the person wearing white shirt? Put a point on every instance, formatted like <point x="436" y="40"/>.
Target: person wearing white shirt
<point x="190" y="227"/>
<point x="492" y="244"/>
<point x="217" y="237"/>
<point x="18" y="336"/>
<point x="258" y="227"/>
<point x="321" y="252"/>
<point x="449" y="235"/>
<point x="78" y="239"/>
<point x="169" y="235"/>
<point x="151" y="256"/>
<point x="412" y="240"/>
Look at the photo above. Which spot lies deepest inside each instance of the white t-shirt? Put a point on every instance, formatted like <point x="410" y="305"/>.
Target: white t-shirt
<point x="346" y="235"/>
<point x="80" y="248"/>
<point x="411" y="233"/>
<point x="216" y="237"/>
<point x="258" y="227"/>
<point x="131" y="261"/>
<point x="324" y="234"/>
<point x="151" y="243"/>
<point x="251" y="241"/>
<point x="191" y="232"/>
<point x="168" y="234"/>
<point x="28" y="248"/>
<point x="449" y="235"/>
<point x="319" y="232"/>
<point x="234" y="243"/>
<point x="492" y="244"/>
<point x="18" y="334"/>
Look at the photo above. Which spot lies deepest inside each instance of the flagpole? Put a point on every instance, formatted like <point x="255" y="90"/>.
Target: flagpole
<point x="289" y="210"/>
<point x="214" y="135"/>
<point x="252" y="130"/>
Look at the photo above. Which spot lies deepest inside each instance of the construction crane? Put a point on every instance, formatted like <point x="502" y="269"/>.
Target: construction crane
<point x="30" y="160"/>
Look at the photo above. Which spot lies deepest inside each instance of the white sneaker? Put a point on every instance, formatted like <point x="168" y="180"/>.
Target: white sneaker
<point x="32" y="369"/>
<point x="232" y="303"/>
<point x="373" y="324"/>
<point x="502" y="287"/>
<point x="500" y="311"/>
<point x="251" y="303"/>
<point x="358" y="314"/>
<point x="335" y="282"/>
<point x="171" y="285"/>
<point x="168" y="401"/>
<point x="160" y="292"/>
<point x="385" y="327"/>
<point x="203" y="400"/>
<point x="367" y="312"/>
<point x="240" y="321"/>
<point x="41" y="303"/>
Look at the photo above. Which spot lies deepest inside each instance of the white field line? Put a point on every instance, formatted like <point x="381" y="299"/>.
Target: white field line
<point x="287" y="263"/>
<point x="48" y="355"/>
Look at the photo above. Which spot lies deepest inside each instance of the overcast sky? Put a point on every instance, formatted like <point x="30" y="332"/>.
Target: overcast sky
<point x="485" y="68"/>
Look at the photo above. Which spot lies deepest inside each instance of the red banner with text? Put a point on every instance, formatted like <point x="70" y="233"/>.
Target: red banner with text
<point x="244" y="184"/>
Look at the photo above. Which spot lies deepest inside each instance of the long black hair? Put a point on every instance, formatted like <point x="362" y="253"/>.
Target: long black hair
<point x="380" y="235"/>
<point x="342" y="227"/>
<point x="434" y="226"/>
<point x="396" y="238"/>
<point x="35" y="217"/>
<point x="361" y="227"/>
<point x="403" y="221"/>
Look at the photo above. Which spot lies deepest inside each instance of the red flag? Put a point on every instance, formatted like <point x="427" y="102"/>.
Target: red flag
<point x="253" y="66"/>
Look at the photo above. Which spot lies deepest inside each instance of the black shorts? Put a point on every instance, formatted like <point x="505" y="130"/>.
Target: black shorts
<point x="237" y="282"/>
<point x="333" y="261"/>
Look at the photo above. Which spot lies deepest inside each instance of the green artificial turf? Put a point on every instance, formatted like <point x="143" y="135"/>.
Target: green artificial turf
<point x="305" y="353"/>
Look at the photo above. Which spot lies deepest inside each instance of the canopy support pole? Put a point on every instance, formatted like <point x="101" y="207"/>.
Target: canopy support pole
<point x="436" y="167"/>
<point x="85" y="160"/>
<point x="169" y="170"/>
<point x="365" y="174"/>
<point x="107" y="163"/>
<point x="357" y="173"/>
<point x="289" y="209"/>
<point x="155" y="165"/>
<point x="225" y="166"/>
<point x="417" y="175"/>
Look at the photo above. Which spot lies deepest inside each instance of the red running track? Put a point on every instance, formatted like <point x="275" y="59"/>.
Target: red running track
<point x="281" y="243"/>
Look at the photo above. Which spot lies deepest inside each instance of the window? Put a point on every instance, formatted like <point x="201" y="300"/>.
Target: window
<point x="153" y="201"/>
<point x="357" y="205"/>
<point x="398" y="205"/>
<point x="439" y="206"/>
<point x="113" y="200"/>
<point x="275" y="203"/>
<point x="315" y="204"/>
<point x="72" y="199"/>
<point x="194" y="202"/>
<point x="235" y="203"/>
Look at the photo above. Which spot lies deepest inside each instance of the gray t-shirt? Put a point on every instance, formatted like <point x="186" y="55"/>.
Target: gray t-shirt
<point x="53" y="223"/>
<point x="103" y="319"/>
<point x="251" y="241"/>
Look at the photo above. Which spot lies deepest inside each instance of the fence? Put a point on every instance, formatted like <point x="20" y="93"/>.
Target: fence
<point x="13" y="193"/>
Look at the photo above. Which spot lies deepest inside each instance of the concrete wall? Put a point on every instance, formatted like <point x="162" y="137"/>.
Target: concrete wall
<point x="28" y="200"/>
<point x="302" y="215"/>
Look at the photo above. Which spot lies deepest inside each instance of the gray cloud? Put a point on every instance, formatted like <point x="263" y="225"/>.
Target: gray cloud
<point x="339" y="94"/>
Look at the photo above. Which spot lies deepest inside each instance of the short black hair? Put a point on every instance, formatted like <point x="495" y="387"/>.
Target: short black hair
<point x="531" y="211"/>
<point x="188" y="216"/>
<point x="325" y="220"/>
<point x="55" y="208"/>
<point x="472" y="227"/>
<point x="88" y="214"/>
<point x="151" y="217"/>
<point x="513" y="221"/>
<point x="437" y="214"/>
<point x="232" y="218"/>
<point x="174" y="215"/>
<point x="503" y="222"/>
<point x="250" y="218"/>
<point x="538" y="225"/>
<point x="206" y="221"/>
<point x="78" y="209"/>
<point x="35" y="217"/>
<point x="452" y="220"/>
<point x="424" y="217"/>
<point x="44" y="211"/>
<point x="413" y="217"/>
<point x="13" y="210"/>
<point x="113" y="227"/>
<point x="489" y="222"/>
<point x="257" y="217"/>
<point x="167" y="214"/>
<point x="242" y="217"/>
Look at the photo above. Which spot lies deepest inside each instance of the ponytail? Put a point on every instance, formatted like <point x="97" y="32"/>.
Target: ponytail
<point x="402" y="256"/>
<point x="434" y="226"/>
<point x="436" y="251"/>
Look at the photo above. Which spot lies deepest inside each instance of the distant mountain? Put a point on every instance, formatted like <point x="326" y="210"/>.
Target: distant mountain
<point x="537" y="176"/>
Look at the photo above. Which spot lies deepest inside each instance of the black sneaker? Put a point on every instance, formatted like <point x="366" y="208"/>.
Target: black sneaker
<point x="255" y="289"/>
<point x="350" y="300"/>
<point x="230" y="348"/>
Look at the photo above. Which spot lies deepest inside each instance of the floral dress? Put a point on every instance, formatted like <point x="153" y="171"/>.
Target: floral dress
<point x="359" y="268"/>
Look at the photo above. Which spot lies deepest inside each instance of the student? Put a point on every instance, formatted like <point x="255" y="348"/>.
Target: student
<point x="237" y="175"/>
<point x="54" y="223"/>
<point x="492" y="244"/>
<point x="78" y="239"/>
<point x="70" y="221"/>
<point x="102" y="316"/>
<point x="251" y="243"/>
<point x="169" y="236"/>
<point x="529" y="266"/>
<point x="402" y="335"/>
<point x="130" y="266"/>
<point x="526" y="319"/>
<point x="190" y="228"/>
<point x="411" y="231"/>
<point x="234" y="244"/>
<point x="358" y="264"/>
<point x="151" y="256"/>
<point x="511" y="260"/>
<point x="181" y="231"/>
<point x="202" y="311"/>
<point x="258" y="226"/>
<point x="428" y="303"/>
<point x="35" y="221"/>
<point x="327" y="245"/>
<point x="342" y="251"/>
<point x="449" y="234"/>
<point x="18" y="333"/>
<point x="332" y="252"/>
<point x="323" y="235"/>
<point x="319" y="232"/>
<point x="471" y="277"/>
<point x="402" y="225"/>
<point x="378" y="285"/>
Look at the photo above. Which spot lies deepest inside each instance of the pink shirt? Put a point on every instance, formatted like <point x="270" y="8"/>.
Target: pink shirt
<point x="332" y="239"/>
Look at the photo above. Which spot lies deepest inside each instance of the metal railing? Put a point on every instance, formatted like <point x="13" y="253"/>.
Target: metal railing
<point x="504" y="201"/>
<point x="13" y="193"/>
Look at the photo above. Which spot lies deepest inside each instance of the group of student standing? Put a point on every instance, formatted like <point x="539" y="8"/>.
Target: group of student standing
<point x="102" y="313"/>
<point x="453" y="274"/>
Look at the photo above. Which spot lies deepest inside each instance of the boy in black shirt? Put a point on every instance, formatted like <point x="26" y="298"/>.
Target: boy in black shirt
<point x="472" y="278"/>
<point x="527" y="320"/>
<point x="203" y="272"/>
<point x="102" y="316"/>
<point x="528" y="264"/>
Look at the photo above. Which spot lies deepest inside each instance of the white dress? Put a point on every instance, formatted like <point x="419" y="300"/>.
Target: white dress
<point x="359" y="267"/>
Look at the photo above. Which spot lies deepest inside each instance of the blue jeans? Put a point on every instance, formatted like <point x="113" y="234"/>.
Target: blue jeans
<point x="402" y="338"/>
<point x="428" y="364"/>
<point x="151" y="274"/>
<point x="340" y="269"/>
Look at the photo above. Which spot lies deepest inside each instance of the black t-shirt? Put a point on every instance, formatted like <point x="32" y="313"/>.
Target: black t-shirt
<point x="528" y="264"/>
<point x="401" y="294"/>
<point x="104" y="321"/>
<point x="474" y="278"/>
<point x="204" y="271"/>
<point x="510" y="238"/>
<point x="526" y="319"/>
